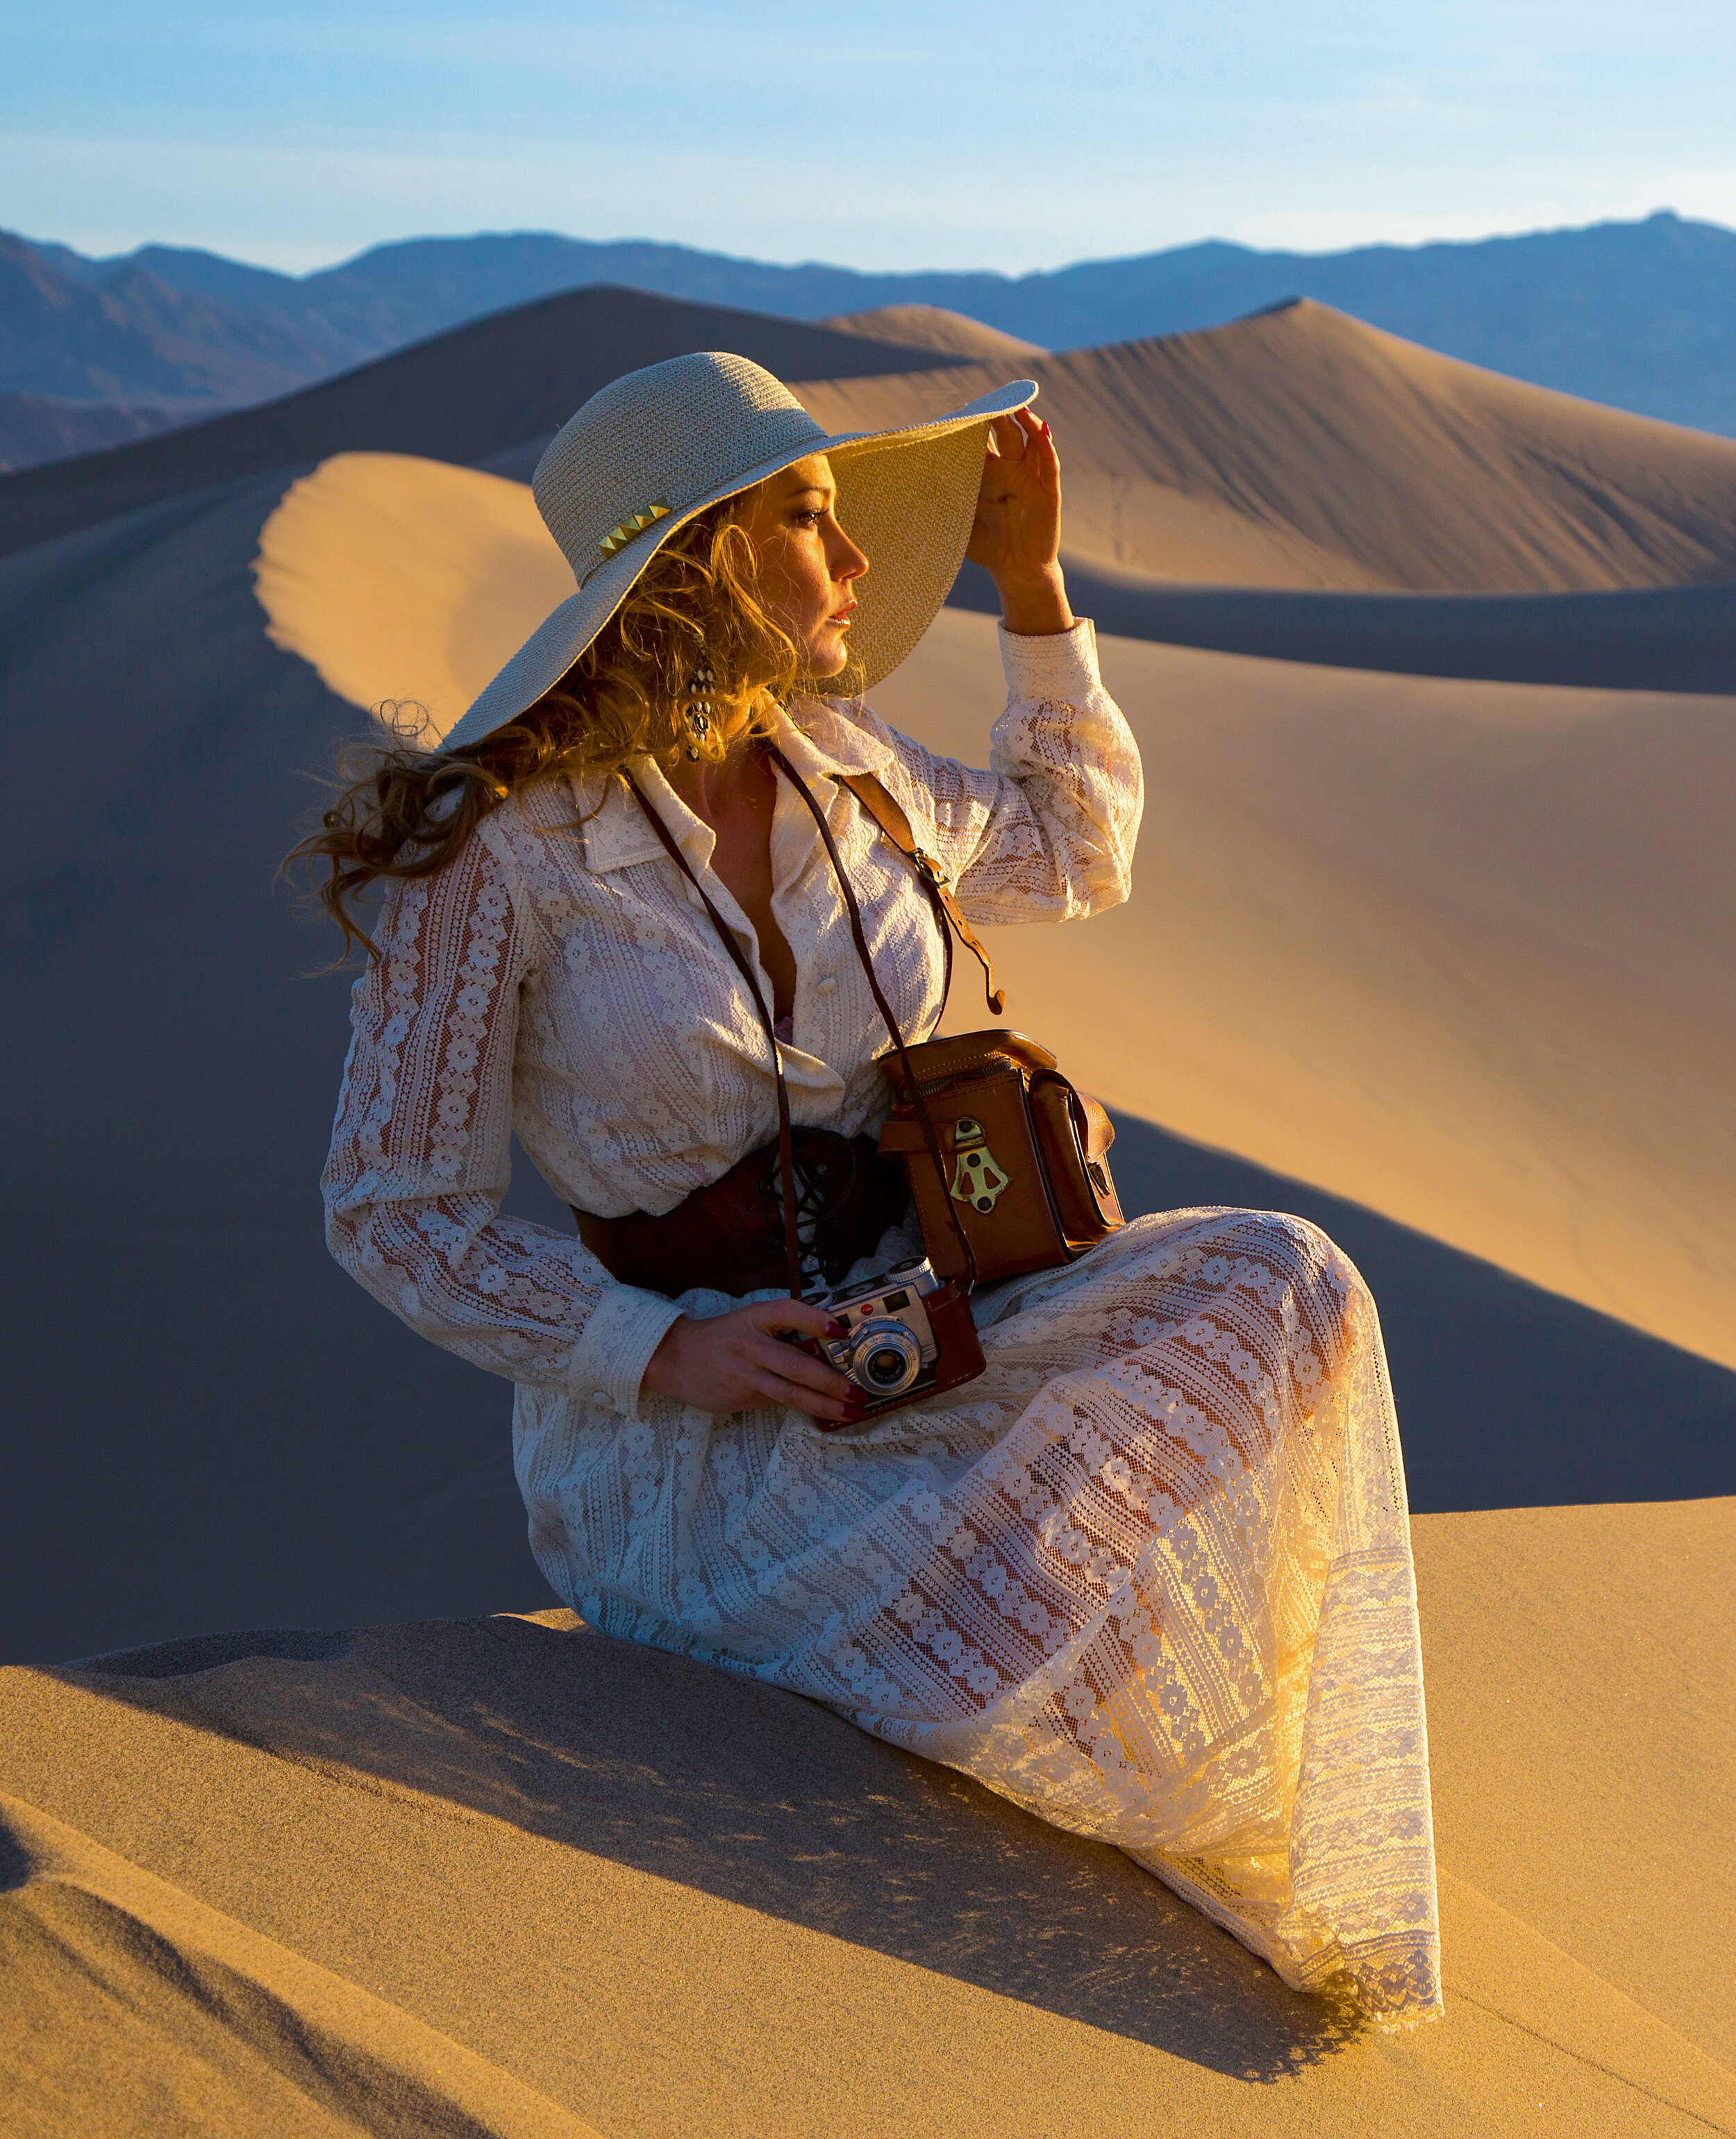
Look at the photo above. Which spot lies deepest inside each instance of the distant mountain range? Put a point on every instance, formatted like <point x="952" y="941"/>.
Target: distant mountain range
<point x="1641" y="315"/>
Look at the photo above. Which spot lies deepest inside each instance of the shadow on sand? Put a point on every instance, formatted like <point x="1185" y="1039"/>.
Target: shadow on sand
<point x="1616" y="638"/>
<point x="216" y="1428"/>
<point x="1508" y="1396"/>
<point x="751" y="1795"/>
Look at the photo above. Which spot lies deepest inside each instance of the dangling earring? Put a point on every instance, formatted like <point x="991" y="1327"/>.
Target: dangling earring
<point x="698" y="712"/>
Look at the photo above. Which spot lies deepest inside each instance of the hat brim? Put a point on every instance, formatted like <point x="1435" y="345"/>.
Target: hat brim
<point x="907" y="495"/>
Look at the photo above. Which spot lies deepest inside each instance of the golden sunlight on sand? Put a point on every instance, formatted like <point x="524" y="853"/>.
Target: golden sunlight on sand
<point x="481" y="1875"/>
<point x="407" y="578"/>
<point x="1454" y="950"/>
<point x="1301" y="448"/>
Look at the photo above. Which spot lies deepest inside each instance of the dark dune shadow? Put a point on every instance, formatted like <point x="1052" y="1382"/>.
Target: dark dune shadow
<point x="761" y="1798"/>
<point x="1637" y="638"/>
<point x="206" y="1424"/>
<point x="15" y="1866"/>
<point x="1508" y="1396"/>
<point x="462" y="396"/>
<point x="205" y="1652"/>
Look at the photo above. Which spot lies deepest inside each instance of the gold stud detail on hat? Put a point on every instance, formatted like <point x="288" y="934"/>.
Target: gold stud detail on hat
<point x="635" y="524"/>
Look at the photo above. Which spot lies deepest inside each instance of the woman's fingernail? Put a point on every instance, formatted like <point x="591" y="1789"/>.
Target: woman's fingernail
<point x="835" y="1329"/>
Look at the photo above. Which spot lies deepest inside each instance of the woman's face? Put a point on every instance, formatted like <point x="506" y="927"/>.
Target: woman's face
<point x="808" y="565"/>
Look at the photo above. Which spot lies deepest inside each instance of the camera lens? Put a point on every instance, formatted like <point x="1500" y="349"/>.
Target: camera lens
<point x="886" y="1358"/>
<point x="885" y="1368"/>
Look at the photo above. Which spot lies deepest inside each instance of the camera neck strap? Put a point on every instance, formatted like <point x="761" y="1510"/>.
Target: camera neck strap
<point x="726" y="936"/>
<point x="887" y="812"/>
<point x="930" y="1136"/>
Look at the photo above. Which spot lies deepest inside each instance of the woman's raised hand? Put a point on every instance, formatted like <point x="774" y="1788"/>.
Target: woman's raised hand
<point x="1017" y="536"/>
<point x="740" y="1361"/>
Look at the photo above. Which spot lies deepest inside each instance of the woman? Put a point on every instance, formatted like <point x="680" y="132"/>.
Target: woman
<point x="1149" y="1573"/>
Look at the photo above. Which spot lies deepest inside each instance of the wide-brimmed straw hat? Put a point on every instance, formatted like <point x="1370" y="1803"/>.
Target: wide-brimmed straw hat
<point x="656" y="446"/>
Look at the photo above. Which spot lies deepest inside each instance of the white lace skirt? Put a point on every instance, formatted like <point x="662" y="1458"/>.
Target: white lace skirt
<point x="1150" y="1577"/>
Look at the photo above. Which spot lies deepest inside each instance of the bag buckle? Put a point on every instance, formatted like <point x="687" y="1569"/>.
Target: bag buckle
<point x="978" y="1179"/>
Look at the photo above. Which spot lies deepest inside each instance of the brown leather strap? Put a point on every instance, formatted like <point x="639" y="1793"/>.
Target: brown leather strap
<point x="786" y="1153"/>
<point x="885" y="1008"/>
<point x="888" y="814"/>
<point x="728" y="1236"/>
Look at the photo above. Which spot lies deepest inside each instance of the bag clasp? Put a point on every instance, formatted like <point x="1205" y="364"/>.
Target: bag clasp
<point x="978" y="1179"/>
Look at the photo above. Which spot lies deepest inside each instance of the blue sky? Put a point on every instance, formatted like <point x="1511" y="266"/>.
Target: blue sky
<point x="880" y="135"/>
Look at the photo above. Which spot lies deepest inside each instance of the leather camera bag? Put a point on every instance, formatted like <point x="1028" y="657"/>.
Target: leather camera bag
<point x="1023" y="1169"/>
<point x="1026" y="1153"/>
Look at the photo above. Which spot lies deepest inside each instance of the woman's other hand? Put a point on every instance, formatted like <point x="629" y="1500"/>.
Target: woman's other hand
<point x="738" y="1362"/>
<point x="1017" y="536"/>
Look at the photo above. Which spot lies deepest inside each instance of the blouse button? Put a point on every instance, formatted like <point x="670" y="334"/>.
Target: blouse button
<point x="824" y="987"/>
<point x="602" y="1397"/>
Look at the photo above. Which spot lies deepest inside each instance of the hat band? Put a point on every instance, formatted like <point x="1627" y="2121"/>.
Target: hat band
<point x="627" y="530"/>
<point x="623" y="531"/>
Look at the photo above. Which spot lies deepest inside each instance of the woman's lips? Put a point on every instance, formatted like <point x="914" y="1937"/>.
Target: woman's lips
<point x="842" y="615"/>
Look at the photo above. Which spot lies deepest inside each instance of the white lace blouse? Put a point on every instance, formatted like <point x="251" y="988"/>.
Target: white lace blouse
<point x="1148" y="1575"/>
<point x="559" y="979"/>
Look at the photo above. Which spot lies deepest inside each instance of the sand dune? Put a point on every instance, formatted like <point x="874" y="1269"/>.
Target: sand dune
<point x="931" y="327"/>
<point x="132" y="2007"/>
<point x="449" y="567"/>
<point x="1302" y="448"/>
<point x="1296" y="448"/>
<point x="1619" y="639"/>
<point x="1458" y="952"/>
<point x="464" y="396"/>
<point x="1461" y="951"/>
<point x="494" y="1865"/>
<point x="36" y="427"/>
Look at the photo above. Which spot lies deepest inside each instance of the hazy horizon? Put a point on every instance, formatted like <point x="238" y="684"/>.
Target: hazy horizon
<point x="913" y="142"/>
<point x="38" y="237"/>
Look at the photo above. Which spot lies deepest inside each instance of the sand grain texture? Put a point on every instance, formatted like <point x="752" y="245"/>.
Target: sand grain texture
<point x="1302" y="448"/>
<point x="668" y="1901"/>
<point x="133" y="2008"/>
<point x="1460" y="952"/>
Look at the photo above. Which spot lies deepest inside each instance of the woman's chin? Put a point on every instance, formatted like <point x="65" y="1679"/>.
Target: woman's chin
<point x="829" y="655"/>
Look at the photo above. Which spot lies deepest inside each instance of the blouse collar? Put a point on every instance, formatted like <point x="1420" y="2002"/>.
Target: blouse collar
<point x="824" y="743"/>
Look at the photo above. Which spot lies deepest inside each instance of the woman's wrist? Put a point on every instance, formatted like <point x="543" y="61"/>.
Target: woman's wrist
<point x="662" y="1362"/>
<point x="1035" y="608"/>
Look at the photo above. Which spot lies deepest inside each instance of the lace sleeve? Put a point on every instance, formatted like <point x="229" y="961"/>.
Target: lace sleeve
<point x="1047" y="833"/>
<point x="421" y="1152"/>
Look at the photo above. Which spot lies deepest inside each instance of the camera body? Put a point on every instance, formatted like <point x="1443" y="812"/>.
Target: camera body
<point x="907" y="1335"/>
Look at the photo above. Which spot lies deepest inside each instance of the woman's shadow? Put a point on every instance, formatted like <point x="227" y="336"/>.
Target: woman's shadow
<point x="753" y="1795"/>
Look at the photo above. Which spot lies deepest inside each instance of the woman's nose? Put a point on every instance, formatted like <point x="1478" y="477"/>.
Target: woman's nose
<point x="850" y="564"/>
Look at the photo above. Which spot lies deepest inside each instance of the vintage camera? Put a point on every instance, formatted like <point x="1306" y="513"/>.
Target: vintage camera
<point x="906" y="1336"/>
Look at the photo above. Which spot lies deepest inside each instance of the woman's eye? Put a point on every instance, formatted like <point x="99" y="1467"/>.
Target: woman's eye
<point x="807" y="516"/>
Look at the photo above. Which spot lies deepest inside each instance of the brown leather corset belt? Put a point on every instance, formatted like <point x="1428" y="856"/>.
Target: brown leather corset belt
<point x="730" y="1235"/>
